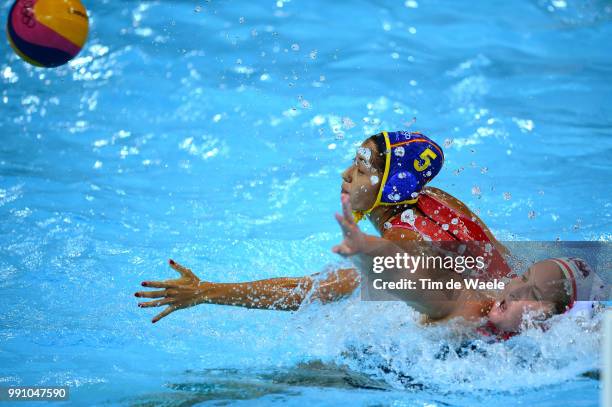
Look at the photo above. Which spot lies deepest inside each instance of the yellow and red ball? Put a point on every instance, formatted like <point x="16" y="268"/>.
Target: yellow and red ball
<point x="47" y="33"/>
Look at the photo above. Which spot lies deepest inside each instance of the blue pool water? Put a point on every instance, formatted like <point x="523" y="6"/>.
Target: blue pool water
<point x="214" y="133"/>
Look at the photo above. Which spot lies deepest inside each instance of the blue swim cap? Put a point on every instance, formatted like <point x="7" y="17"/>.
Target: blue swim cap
<point x="411" y="161"/>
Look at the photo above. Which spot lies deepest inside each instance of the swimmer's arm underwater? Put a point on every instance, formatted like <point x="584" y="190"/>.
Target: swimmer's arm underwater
<point x="284" y="293"/>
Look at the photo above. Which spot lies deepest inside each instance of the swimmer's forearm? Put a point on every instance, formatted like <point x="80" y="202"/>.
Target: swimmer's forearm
<point x="375" y="246"/>
<point x="276" y="293"/>
<point x="435" y="304"/>
<point x="284" y="293"/>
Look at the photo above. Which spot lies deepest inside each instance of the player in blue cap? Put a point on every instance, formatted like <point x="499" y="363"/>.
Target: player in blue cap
<point x="386" y="184"/>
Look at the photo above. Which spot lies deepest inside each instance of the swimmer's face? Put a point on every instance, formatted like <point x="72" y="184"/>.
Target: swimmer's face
<point x="361" y="180"/>
<point x="535" y="292"/>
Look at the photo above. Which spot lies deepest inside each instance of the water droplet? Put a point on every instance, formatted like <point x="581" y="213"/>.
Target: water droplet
<point x="445" y="226"/>
<point x="399" y="151"/>
<point x="295" y="47"/>
<point x="366" y="153"/>
<point x="507" y="196"/>
<point x="347" y="123"/>
<point x="408" y="216"/>
<point x="374" y="180"/>
<point x="454" y="221"/>
<point x="531" y="215"/>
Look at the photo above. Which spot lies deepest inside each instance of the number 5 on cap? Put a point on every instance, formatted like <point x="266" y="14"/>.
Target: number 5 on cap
<point x="426" y="155"/>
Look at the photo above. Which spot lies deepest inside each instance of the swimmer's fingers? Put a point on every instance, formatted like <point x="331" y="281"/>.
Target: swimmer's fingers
<point x="160" y="284"/>
<point x="354" y="239"/>
<point x="184" y="271"/>
<point x="342" y="249"/>
<point x="152" y="294"/>
<point x="347" y="228"/>
<point x="164" y="313"/>
<point x="156" y="303"/>
<point x="347" y="210"/>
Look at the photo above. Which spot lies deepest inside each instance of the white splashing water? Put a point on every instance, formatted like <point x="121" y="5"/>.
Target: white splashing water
<point x="366" y="153"/>
<point x="386" y="341"/>
<point x="408" y="216"/>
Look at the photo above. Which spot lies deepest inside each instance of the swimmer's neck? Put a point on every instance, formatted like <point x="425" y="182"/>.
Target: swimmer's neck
<point x="382" y="214"/>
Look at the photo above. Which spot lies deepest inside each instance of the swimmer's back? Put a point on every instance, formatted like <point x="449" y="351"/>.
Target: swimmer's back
<point x="462" y="208"/>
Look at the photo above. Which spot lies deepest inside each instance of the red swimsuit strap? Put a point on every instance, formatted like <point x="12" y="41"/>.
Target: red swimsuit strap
<point x="424" y="226"/>
<point x="442" y="223"/>
<point x="466" y="229"/>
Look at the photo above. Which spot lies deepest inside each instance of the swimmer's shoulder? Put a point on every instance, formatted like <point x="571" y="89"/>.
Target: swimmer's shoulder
<point x="456" y="204"/>
<point x="401" y="234"/>
<point x="451" y="201"/>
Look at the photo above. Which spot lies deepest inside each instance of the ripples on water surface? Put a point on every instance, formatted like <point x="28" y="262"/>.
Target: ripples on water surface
<point x="214" y="133"/>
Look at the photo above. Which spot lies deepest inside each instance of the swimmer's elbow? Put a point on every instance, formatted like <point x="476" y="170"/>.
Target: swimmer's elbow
<point x="336" y="286"/>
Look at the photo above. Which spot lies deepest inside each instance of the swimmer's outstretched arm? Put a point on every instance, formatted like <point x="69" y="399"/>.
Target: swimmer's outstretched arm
<point x="284" y="293"/>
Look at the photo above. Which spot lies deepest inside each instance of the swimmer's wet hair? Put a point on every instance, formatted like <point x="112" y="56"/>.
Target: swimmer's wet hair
<point x="378" y="159"/>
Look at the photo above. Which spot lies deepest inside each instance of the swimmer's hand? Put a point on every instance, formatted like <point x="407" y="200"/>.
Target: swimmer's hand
<point x="183" y="292"/>
<point x="354" y="239"/>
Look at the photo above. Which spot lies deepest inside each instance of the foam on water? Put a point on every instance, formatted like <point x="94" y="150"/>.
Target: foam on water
<point x="387" y="341"/>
